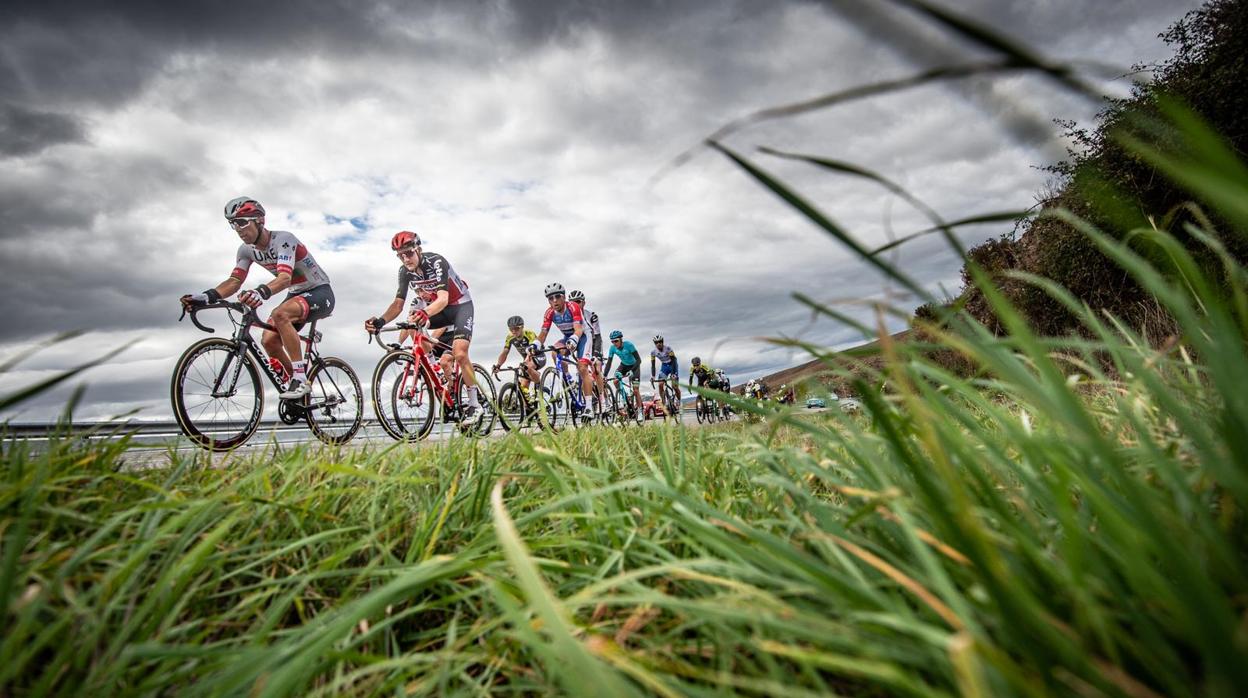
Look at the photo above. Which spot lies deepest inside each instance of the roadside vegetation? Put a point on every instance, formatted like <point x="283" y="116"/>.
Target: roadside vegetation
<point x="1068" y="517"/>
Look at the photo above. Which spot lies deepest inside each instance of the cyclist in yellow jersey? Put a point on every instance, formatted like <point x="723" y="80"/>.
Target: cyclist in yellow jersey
<point x="524" y="341"/>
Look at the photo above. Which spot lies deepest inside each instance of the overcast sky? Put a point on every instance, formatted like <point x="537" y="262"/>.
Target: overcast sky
<point x="521" y="140"/>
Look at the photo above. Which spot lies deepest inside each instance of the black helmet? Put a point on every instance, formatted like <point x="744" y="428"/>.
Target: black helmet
<point x="515" y="321"/>
<point x="697" y="361"/>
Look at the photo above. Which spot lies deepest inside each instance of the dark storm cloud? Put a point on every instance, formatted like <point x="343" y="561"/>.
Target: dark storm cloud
<point x="26" y="132"/>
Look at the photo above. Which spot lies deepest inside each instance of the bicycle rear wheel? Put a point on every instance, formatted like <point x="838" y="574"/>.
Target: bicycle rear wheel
<point x="402" y="397"/>
<point x="227" y="419"/>
<point x="486" y="401"/>
<point x="335" y="407"/>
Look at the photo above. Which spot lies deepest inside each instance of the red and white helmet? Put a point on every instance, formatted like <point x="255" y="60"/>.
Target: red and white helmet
<point x="243" y="207"/>
<point x="404" y="239"/>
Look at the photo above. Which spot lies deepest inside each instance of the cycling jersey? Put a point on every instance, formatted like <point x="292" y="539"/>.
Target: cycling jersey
<point x="571" y="315"/>
<point x="433" y="274"/>
<point x="627" y="353"/>
<point x="665" y="356"/>
<point x="521" y="343"/>
<point x="284" y="254"/>
<point x="591" y="319"/>
<point x="703" y="373"/>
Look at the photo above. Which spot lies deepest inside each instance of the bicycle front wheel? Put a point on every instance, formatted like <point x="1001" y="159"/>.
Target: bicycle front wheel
<point x="402" y="397"/>
<point x="335" y="407"/>
<point x="216" y="394"/>
<point x="511" y="407"/>
<point x="557" y="398"/>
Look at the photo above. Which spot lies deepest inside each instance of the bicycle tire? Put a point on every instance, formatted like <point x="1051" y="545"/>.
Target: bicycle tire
<point x="486" y="401"/>
<point x="320" y="407"/>
<point x="416" y="393"/>
<point x="188" y="414"/>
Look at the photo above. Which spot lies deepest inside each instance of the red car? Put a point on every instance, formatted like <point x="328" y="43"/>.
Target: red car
<point x="652" y="406"/>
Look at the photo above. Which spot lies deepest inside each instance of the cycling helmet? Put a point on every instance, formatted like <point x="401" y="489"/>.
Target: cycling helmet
<point x="515" y="321"/>
<point x="658" y="339"/>
<point x="404" y="238"/>
<point x="616" y="334"/>
<point x="577" y="296"/>
<point x="553" y="288"/>
<point x="697" y="361"/>
<point x="243" y="207"/>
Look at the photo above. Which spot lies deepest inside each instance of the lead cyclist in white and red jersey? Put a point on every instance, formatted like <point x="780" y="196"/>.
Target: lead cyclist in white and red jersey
<point x="567" y="316"/>
<point x="431" y="278"/>
<point x="309" y="296"/>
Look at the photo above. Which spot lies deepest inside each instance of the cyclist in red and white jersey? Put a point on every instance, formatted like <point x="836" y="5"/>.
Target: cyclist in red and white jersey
<point x="431" y="277"/>
<point x="567" y="316"/>
<point x="309" y="296"/>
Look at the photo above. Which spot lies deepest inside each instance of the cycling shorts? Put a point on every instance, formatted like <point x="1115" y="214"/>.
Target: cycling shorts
<point x="632" y="372"/>
<point x="671" y="370"/>
<point x="458" y="318"/>
<point x="317" y="303"/>
<point x="581" y="346"/>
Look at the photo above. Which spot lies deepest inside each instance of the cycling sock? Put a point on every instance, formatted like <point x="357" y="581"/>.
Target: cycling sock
<point x="472" y="395"/>
<point x="299" y="367"/>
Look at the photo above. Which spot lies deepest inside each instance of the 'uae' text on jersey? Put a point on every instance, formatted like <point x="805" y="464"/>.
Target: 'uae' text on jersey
<point x="432" y="275"/>
<point x="284" y="254"/>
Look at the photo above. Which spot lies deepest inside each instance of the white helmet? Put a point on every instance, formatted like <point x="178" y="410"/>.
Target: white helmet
<point x="658" y="338"/>
<point x="553" y="288"/>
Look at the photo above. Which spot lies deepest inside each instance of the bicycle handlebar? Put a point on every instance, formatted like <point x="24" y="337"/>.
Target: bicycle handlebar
<point x="249" y="314"/>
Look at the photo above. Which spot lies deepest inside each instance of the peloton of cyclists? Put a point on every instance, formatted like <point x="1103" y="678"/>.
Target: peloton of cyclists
<point x="308" y="294"/>
<point x="567" y="316"/>
<point x="449" y="305"/>
<point x="630" y="363"/>
<point x="525" y="342"/>
<point x="668" y="368"/>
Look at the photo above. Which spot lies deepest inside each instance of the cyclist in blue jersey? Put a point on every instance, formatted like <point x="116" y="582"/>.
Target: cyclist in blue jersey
<point x="630" y="363"/>
<point x="567" y="316"/>
<point x="668" y="369"/>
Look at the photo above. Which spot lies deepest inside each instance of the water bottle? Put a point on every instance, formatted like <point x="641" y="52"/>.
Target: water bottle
<point x="278" y="369"/>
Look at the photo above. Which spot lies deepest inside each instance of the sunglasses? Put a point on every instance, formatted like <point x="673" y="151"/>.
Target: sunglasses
<point x="617" y="341"/>
<point x="555" y="297"/>
<point x="240" y="223"/>
<point x="404" y="254"/>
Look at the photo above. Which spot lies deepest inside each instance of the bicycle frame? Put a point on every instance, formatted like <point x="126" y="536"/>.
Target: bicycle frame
<point x="244" y="343"/>
<point x="423" y="362"/>
<point x="577" y="400"/>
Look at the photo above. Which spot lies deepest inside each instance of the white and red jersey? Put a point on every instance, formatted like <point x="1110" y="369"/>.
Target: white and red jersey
<point x="564" y="320"/>
<point x="284" y="254"/>
<point x="432" y="275"/>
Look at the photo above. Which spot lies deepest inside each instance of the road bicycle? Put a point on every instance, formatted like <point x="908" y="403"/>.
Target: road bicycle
<point x="218" y="398"/>
<point x="622" y="403"/>
<point x="519" y="407"/>
<point x="409" y="392"/>
<point x="566" y="397"/>
<point x="706" y="409"/>
<point x="667" y="396"/>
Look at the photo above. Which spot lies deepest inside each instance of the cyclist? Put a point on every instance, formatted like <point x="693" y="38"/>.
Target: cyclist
<point x="669" y="370"/>
<point x="595" y="329"/>
<point x="308" y="294"/>
<point x="705" y="375"/>
<point x="567" y="316"/>
<point x="430" y="276"/>
<point x="630" y="364"/>
<point x="724" y="384"/>
<point x="525" y="342"/>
